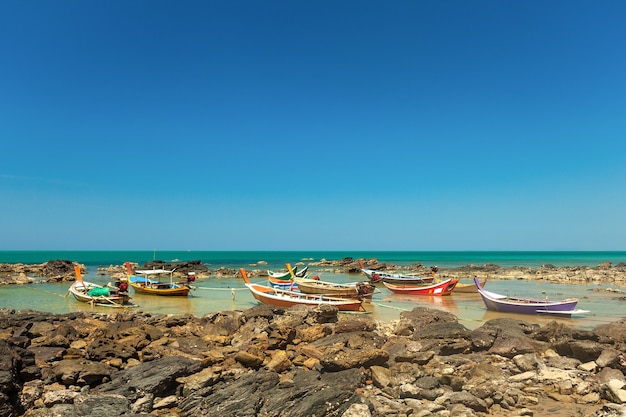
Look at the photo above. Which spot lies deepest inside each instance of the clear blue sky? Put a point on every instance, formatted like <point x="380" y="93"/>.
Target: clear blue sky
<point x="313" y="125"/>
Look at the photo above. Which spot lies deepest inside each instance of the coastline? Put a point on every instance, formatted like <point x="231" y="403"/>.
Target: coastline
<point x="603" y="273"/>
<point x="425" y="361"/>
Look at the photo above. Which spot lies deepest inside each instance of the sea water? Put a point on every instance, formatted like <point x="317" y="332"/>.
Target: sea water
<point x="277" y="259"/>
<point x="213" y="294"/>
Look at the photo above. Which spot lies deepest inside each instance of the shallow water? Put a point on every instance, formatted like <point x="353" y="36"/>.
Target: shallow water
<point x="212" y="295"/>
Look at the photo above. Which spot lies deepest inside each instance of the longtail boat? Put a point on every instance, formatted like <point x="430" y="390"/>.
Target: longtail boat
<point x="468" y="288"/>
<point x="98" y="295"/>
<point x="355" y="290"/>
<point x="504" y="303"/>
<point x="284" y="298"/>
<point x="394" y="278"/>
<point x="141" y="282"/>
<point x="286" y="284"/>
<point x="287" y="275"/>
<point x="442" y="288"/>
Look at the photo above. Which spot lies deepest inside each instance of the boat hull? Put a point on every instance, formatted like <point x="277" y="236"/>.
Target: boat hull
<point x="357" y="290"/>
<point x="161" y="289"/>
<point x="80" y="289"/>
<point x="399" y="279"/>
<point x="144" y="285"/>
<point x="443" y="288"/>
<point x="468" y="288"/>
<point x="280" y="298"/>
<point x="505" y="304"/>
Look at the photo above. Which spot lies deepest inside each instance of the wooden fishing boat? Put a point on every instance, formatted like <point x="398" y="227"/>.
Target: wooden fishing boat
<point x="288" y="283"/>
<point x="287" y="275"/>
<point x="141" y="282"/>
<point x="355" y="290"/>
<point x="467" y="288"/>
<point x="284" y="298"/>
<point x="394" y="278"/>
<point x="98" y="295"/>
<point x="441" y="288"/>
<point x="404" y="279"/>
<point x="504" y="303"/>
<point x="369" y="273"/>
<point x="285" y="284"/>
<point x="282" y="284"/>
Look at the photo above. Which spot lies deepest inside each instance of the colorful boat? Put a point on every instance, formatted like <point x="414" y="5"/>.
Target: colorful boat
<point x="284" y="298"/>
<point x="355" y="290"/>
<point x="404" y="279"/>
<point x="283" y="284"/>
<point x="441" y="288"/>
<point x="141" y="282"/>
<point x="504" y="303"/>
<point x="287" y="275"/>
<point x="394" y="278"/>
<point x="288" y="282"/>
<point x="464" y="288"/>
<point x="98" y="295"/>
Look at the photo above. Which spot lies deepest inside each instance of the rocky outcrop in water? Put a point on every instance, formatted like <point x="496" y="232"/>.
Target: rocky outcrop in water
<point x="602" y="273"/>
<point x="54" y="271"/>
<point x="268" y="361"/>
<point x="59" y="270"/>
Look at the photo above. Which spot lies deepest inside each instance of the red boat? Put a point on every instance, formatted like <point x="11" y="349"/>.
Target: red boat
<point x="442" y="288"/>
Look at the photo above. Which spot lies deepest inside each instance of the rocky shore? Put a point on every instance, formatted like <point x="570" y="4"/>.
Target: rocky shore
<point x="268" y="361"/>
<point x="63" y="270"/>
<point x="604" y="273"/>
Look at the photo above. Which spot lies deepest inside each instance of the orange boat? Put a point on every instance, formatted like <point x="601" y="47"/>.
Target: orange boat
<point x="284" y="298"/>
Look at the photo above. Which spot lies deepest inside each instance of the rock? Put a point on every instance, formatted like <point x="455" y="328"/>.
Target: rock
<point x="511" y="337"/>
<point x="353" y="358"/>
<point x="357" y="410"/>
<point x="585" y="350"/>
<point x="280" y="362"/>
<point x="258" y="394"/>
<point x="195" y="382"/>
<point x="249" y="360"/>
<point x="381" y="376"/>
<point x="468" y="400"/>
<point x="157" y="377"/>
<point x="608" y="374"/>
<point x="81" y="372"/>
<point x="614" y="391"/>
<point x="611" y="332"/>
<point x="613" y="358"/>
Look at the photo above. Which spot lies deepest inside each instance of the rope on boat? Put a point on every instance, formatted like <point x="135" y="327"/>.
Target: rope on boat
<point x="50" y="292"/>
<point x="221" y="289"/>
<point x="232" y="290"/>
<point x="392" y="307"/>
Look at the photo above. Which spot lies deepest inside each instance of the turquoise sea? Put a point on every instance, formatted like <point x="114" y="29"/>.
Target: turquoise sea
<point x="214" y="294"/>
<point x="236" y="259"/>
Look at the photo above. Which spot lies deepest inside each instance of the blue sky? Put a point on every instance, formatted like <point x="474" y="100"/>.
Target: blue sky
<point x="320" y="125"/>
